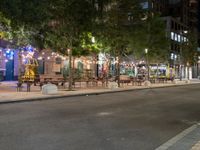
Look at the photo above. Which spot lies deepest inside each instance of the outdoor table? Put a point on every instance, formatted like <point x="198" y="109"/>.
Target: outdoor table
<point x="161" y="79"/>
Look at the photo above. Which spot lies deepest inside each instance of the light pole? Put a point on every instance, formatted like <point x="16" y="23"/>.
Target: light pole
<point x="95" y="65"/>
<point x="147" y="63"/>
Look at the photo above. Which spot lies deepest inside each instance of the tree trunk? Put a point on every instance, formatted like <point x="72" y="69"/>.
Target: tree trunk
<point x="180" y="72"/>
<point x="70" y="69"/>
<point x="118" y="71"/>
<point x="188" y="72"/>
<point x="19" y="67"/>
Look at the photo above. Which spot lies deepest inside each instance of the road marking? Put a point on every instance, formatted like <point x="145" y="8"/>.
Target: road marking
<point x="172" y="141"/>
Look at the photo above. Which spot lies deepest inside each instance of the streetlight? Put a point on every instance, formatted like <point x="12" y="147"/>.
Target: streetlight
<point x="93" y="39"/>
<point x="147" y="63"/>
<point x="96" y="66"/>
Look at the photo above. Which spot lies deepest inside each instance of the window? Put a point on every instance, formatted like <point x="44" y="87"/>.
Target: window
<point x="144" y="5"/>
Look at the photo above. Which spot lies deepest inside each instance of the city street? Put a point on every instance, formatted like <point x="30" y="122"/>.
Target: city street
<point x="132" y="120"/>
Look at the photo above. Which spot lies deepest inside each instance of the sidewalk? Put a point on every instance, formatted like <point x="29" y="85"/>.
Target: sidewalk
<point x="8" y="92"/>
<point x="188" y="139"/>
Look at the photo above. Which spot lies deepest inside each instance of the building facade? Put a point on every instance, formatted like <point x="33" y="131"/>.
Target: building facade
<point x="181" y="17"/>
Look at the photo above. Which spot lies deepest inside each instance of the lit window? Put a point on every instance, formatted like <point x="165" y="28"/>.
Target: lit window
<point x="144" y="5"/>
<point x="172" y="35"/>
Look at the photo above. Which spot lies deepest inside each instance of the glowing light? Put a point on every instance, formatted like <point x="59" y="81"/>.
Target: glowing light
<point x="48" y="58"/>
<point x="146" y="50"/>
<point x="64" y="58"/>
<point x="29" y="48"/>
<point x="93" y="39"/>
<point x="68" y="50"/>
<point x="30" y="55"/>
<point x="40" y="58"/>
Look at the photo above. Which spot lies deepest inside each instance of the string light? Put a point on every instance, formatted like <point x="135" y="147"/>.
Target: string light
<point x="39" y="58"/>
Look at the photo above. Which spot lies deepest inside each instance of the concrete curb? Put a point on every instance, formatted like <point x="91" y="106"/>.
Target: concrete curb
<point x="50" y="97"/>
<point x="175" y="139"/>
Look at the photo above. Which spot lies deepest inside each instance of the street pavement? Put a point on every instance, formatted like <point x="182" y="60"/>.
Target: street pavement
<point x="8" y="92"/>
<point x="148" y="119"/>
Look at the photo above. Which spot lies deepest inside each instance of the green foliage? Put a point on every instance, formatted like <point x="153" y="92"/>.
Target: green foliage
<point x="62" y="24"/>
<point x="51" y="24"/>
<point x="115" y="24"/>
<point x="5" y="27"/>
<point x="90" y="43"/>
<point x="19" y="36"/>
<point x="151" y="34"/>
<point x="122" y="29"/>
<point x="189" y="49"/>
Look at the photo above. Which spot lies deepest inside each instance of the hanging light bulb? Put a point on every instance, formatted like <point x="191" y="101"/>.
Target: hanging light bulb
<point x="39" y="58"/>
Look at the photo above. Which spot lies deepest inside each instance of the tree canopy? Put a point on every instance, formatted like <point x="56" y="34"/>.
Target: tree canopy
<point x="51" y="24"/>
<point x="189" y="54"/>
<point x="151" y="34"/>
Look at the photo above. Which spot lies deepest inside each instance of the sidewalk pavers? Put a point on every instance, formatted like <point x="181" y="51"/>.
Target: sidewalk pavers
<point x="188" y="139"/>
<point x="8" y="92"/>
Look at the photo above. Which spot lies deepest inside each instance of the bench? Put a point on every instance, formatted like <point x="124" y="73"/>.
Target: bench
<point x="124" y="79"/>
<point x="54" y="79"/>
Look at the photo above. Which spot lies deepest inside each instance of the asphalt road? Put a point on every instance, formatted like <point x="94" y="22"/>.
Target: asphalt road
<point x="134" y="120"/>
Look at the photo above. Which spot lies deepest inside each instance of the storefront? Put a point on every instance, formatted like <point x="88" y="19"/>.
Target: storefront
<point x="52" y="63"/>
<point x="7" y="61"/>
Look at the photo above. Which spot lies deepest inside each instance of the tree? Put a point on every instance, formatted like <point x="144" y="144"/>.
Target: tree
<point x="189" y="54"/>
<point x="53" y="24"/>
<point x="114" y="26"/>
<point x="151" y="34"/>
<point x="17" y="36"/>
